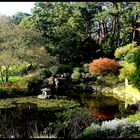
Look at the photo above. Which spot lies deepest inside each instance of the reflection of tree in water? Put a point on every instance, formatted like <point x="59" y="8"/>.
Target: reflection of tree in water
<point x="104" y="113"/>
<point x="27" y="121"/>
<point x="17" y="123"/>
<point x="23" y="122"/>
<point x="102" y="107"/>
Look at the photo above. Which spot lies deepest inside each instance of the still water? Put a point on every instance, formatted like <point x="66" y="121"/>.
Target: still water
<point x="26" y="119"/>
<point x="105" y="107"/>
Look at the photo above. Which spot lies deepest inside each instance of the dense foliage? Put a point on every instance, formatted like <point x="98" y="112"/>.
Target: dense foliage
<point x="128" y="56"/>
<point x="111" y="129"/>
<point x="82" y="39"/>
<point x="74" y="47"/>
<point x="84" y="31"/>
<point x="103" y="65"/>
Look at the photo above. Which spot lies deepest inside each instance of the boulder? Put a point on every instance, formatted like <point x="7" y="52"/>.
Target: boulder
<point x="134" y="107"/>
<point x="51" y="80"/>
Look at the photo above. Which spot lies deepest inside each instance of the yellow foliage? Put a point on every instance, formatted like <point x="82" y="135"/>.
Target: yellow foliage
<point x="127" y="70"/>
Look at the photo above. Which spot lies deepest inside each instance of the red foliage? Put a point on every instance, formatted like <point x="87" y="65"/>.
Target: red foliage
<point x="102" y="114"/>
<point x="102" y="65"/>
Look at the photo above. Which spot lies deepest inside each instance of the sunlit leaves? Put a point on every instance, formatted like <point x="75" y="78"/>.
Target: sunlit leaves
<point x="20" y="45"/>
<point x="122" y="51"/>
<point x="127" y="70"/>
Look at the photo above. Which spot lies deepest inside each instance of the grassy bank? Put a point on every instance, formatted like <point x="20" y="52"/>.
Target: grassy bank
<point x="129" y="93"/>
<point x="47" y="104"/>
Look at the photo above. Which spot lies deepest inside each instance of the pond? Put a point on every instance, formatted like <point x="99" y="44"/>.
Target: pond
<point x="29" y="117"/>
<point x="105" y="107"/>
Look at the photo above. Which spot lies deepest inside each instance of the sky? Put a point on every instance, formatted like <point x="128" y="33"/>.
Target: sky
<point x="10" y="8"/>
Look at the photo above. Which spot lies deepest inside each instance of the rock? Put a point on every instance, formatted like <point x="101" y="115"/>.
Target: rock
<point x="58" y="83"/>
<point x="133" y="107"/>
<point x="51" y="80"/>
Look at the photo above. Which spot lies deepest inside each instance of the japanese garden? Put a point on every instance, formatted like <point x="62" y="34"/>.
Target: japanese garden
<point x="71" y="70"/>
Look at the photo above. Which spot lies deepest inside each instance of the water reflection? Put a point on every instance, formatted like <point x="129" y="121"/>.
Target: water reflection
<point x="105" y="107"/>
<point x="24" y="120"/>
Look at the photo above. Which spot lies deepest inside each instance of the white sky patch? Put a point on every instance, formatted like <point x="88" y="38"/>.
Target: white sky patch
<point x="10" y="8"/>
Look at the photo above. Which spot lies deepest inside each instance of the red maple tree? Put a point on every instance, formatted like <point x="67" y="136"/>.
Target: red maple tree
<point x="103" y="65"/>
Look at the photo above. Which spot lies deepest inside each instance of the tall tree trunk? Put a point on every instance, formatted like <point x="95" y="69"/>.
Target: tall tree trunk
<point x="126" y="82"/>
<point x="6" y="79"/>
<point x="6" y="75"/>
<point x="118" y="30"/>
<point x="100" y="25"/>
<point x="1" y="75"/>
<point x="102" y="29"/>
<point x="133" y="34"/>
<point x="114" y="27"/>
<point x="100" y="32"/>
<point x="126" y="104"/>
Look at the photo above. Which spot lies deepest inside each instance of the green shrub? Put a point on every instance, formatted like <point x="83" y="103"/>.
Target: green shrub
<point x="130" y="57"/>
<point x="12" y="92"/>
<point x="82" y="86"/>
<point x="89" y="132"/>
<point x="134" y="118"/>
<point x="90" y="76"/>
<point x="76" y="75"/>
<point x="107" y="91"/>
<point x="85" y="67"/>
<point x="127" y="71"/>
<point x="121" y="52"/>
<point x="135" y="77"/>
<point x="76" y="69"/>
<point x="22" y="86"/>
<point x="110" y="79"/>
<point x="64" y="68"/>
<point x="110" y="129"/>
<point x="82" y="63"/>
<point x="12" y="79"/>
<point x="53" y="69"/>
<point x="73" y="121"/>
<point x="4" y="92"/>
